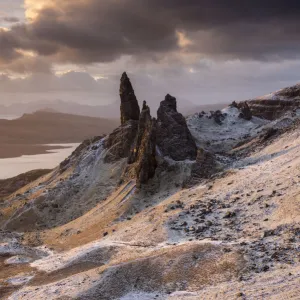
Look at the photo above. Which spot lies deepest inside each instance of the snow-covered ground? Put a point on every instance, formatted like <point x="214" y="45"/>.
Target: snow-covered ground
<point x="218" y="138"/>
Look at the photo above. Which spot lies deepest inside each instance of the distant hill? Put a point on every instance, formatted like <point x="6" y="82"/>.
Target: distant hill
<point x="100" y="111"/>
<point x="28" y="134"/>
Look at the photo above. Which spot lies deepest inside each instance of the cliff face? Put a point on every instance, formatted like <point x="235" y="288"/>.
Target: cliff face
<point x="274" y="105"/>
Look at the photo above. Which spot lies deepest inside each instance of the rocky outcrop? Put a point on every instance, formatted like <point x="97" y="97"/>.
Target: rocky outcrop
<point x="143" y="152"/>
<point x="135" y="139"/>
<point x="130" y="109"/>
<point x="245" y="111"/>
<point x="173" y="136"/>
<point x="217" y="116"/>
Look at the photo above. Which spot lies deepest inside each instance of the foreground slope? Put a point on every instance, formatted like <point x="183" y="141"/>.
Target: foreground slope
<point x="89" y="231"/>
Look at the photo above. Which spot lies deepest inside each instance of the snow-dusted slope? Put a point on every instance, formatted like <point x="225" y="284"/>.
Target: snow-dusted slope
<point x="219" y="138"/>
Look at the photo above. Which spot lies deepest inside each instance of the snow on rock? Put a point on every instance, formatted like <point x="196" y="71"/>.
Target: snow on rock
<point x="93" y="252"/>
<point x="18" y="259"/>
<point x="19" y="280"/>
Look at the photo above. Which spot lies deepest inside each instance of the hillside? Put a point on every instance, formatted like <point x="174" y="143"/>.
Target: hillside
<point x="276" y="104"/>
<point x="29" y="134"/>
<point x="9" y="186"/>
<point x="162" y="208"/>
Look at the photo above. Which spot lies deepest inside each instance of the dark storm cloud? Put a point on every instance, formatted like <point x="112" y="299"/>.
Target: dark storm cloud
<point x="86" y="31"/>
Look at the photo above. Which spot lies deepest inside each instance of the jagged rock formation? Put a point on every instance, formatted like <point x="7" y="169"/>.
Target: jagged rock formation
<point x="130" y="109"/>
<point x="173" y="136"/>
<point x="135" y="139"/>
<point x="143" y="150"/>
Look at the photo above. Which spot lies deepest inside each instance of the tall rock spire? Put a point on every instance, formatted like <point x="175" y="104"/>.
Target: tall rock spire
<point x="130" y="109"/>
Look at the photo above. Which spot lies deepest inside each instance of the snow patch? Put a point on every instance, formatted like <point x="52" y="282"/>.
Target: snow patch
<point x="19" y="280"/>
<point x="18" y="259"/>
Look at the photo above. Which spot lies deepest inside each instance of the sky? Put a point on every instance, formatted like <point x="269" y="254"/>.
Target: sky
<point x="200" y="51"/>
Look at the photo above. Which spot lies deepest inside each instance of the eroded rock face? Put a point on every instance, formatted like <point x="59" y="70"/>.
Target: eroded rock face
<point x="173" y="136"/>
<point x="143" y="151"/>
<point x="130" y="109"/>
<point x="271" y="109"/>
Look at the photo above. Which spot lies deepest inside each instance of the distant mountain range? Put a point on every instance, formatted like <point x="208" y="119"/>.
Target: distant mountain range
<point x="110" y="111"/>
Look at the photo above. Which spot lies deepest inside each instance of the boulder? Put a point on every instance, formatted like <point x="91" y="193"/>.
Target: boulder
<point x="172" y="135"/>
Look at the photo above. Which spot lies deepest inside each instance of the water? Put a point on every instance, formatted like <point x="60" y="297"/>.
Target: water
<point x="10" y="167"/>
<point x="9" y="117"/>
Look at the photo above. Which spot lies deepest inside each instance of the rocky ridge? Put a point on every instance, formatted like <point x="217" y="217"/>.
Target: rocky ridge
<point x="276" y="104"/>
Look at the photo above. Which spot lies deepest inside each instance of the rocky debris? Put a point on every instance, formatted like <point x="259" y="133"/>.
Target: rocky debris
<point x="173" y="136"/>
<point x="130" y="109"/>
<point x="143" y="151"/>
<point x="245" y="111"/>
